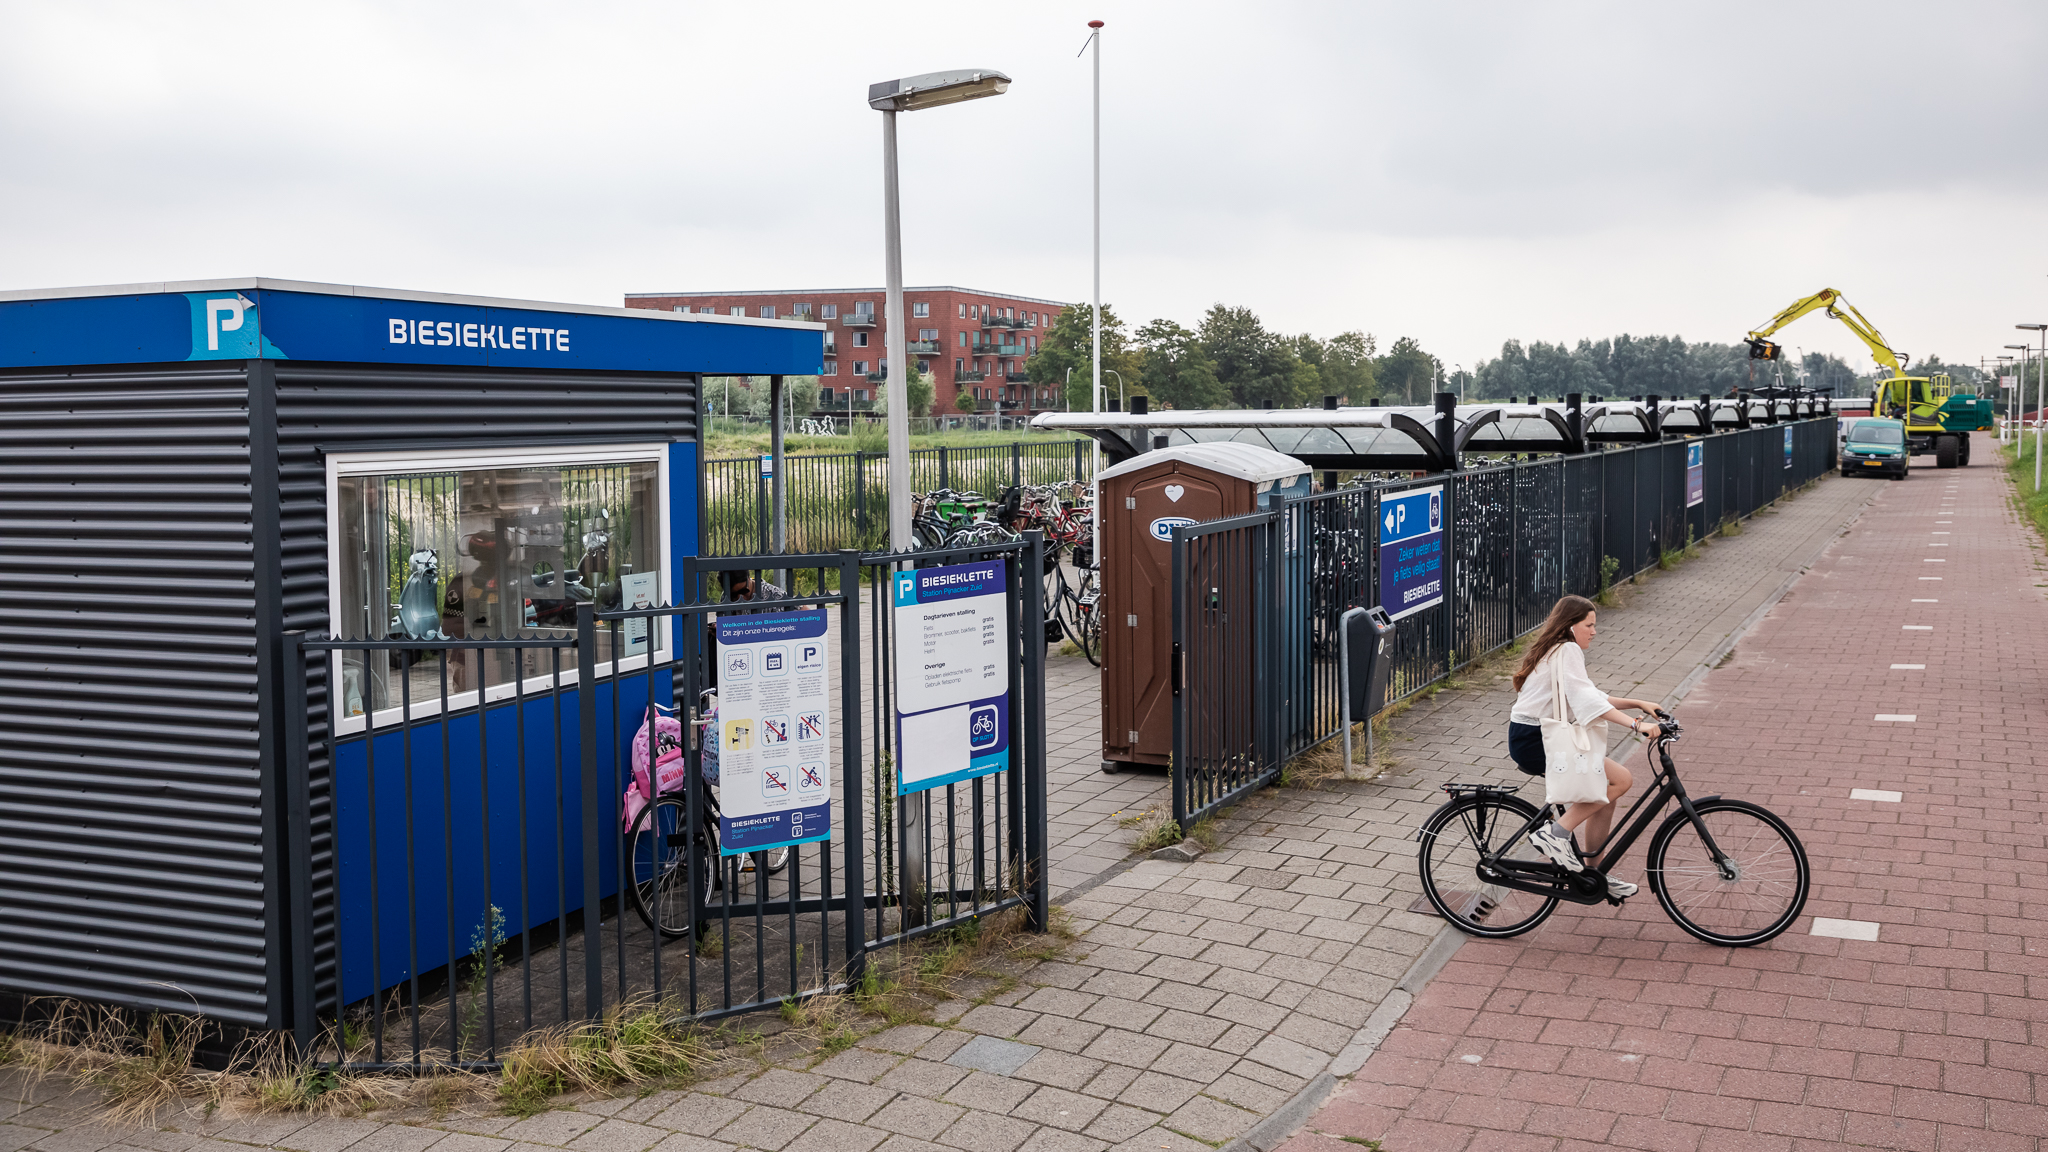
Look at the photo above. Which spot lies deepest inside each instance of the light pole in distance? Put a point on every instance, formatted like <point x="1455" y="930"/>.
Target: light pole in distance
<point x="2040" y="396"/>
<point x="909" y="94"/>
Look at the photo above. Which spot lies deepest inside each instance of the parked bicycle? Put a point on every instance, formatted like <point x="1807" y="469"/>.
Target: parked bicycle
<point x="1726" y="871"/>
<point x="665" y="863"/>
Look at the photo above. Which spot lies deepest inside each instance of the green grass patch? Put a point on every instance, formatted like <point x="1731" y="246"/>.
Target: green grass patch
<point x="2020" y="467"/>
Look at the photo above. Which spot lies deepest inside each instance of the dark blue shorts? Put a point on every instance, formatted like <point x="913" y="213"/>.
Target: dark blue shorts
<point x="1525" y="744"/>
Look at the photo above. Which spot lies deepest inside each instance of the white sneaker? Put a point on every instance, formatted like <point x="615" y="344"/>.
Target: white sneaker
<point x="1620" y="889"/>
<point x="1556" y="844"/>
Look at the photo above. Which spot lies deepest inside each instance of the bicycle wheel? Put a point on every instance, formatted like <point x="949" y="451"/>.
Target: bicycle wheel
<point x="1454" y="840"/>
<point x="1756" y="896"/>
<point x="664" y="863"/>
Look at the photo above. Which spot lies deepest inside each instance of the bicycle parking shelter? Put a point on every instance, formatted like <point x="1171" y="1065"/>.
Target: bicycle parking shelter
<point x="197" y="470"/>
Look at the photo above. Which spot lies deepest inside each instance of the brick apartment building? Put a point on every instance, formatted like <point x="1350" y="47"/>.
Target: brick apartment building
<point x="972" y="343"/>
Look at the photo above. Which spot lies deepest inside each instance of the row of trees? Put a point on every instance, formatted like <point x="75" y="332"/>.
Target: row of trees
<point x="1229" y="360"/>
<point x="1644" y="365"/>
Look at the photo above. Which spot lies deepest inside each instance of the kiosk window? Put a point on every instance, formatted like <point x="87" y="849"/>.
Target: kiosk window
<point x="450" y="551"/>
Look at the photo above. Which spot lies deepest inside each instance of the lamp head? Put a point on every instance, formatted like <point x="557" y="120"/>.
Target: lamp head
<point x="934" y="89"/>
<point x="2032" y="327"/>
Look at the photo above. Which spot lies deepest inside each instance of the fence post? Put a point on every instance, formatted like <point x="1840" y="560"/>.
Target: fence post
<point x="850" y="782"/>
<point x="1033" y="639"/>
<point x="298" y="822"/>
<point x="945" y="474"/>
<point x="1177" y="770"/>
<point x="586" y="727"/>
<point x="1016" y="463"/>
<point x="1077" y="462"/>
<point x="860" y="497"/>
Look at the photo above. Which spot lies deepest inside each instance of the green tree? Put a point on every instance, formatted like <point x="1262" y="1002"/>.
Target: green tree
<point x="1256" y="367"/>
<point x="1176" y="372"/>
<point x="1065" y="354"/>
<point x="1407" y="374"/>
<point x="918" y="392"/>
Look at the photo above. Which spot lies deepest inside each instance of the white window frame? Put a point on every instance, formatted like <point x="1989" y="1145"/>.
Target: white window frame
<point x="340" y="464"/>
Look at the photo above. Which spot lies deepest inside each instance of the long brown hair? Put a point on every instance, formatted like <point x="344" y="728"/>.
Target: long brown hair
<point x="1556" y="630"/>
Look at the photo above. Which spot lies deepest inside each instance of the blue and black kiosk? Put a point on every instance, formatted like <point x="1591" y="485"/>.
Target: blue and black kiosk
<point x="194" y="470"/>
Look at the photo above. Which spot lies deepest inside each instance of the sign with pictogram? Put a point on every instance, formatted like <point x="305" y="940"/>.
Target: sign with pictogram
<point x="774" y="702"/>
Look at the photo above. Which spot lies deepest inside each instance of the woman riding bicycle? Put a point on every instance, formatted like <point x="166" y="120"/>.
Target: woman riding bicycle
<point x="1557" y="658"/>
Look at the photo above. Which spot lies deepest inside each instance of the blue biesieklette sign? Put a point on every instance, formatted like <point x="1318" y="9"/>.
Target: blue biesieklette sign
<point x="953" y="656"/>
<point x="1411" y="539"/>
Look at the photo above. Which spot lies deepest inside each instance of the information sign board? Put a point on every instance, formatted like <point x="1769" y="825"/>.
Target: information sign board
<point x="774" y="731"/>
<point x="954" y="652"/>
<point x="1695" y="474"/>
<point x="1788" y="446"/>
<point x="1412" y="551"/>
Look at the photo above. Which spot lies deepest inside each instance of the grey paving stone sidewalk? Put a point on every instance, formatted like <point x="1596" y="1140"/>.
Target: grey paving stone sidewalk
<point x="1201" y="996"/>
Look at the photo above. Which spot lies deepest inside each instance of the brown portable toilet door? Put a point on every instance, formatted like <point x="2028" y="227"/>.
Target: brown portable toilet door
<point x="1184" y="495"/>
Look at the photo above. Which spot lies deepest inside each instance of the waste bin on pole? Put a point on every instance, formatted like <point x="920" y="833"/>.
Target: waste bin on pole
<point x="1365" y="662"/>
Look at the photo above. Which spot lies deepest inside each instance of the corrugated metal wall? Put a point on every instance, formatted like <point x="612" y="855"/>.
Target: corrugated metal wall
<point x="131" y="861"/>
<point x="338" y="408"/>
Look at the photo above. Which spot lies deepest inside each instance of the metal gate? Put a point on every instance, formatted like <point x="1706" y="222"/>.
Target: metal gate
<point x="465" y="862"/>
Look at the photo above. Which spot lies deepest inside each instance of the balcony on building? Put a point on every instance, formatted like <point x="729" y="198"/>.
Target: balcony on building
<point x="1017" y="376"/>
<point x="969" y="377"/>
<point x="994" y="349"/>
<point x="921" y="347"/>
<point x="878" y="377"/>
<point x="857" y="319"/>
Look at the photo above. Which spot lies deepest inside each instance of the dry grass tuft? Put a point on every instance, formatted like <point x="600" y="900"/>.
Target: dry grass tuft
<point x="640" y="1043"/>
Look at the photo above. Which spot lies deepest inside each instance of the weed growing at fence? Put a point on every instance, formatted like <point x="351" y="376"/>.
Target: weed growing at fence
<point x="636" y="1044"/>
<point x="1732" y="526"/>
<point x="1151" y="830"/>
<point x="1609" y="565"/>
<point x="141" y="1064"/>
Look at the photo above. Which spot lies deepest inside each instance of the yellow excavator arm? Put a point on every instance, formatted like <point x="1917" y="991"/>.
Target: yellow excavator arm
<point x="1760" y="347"/>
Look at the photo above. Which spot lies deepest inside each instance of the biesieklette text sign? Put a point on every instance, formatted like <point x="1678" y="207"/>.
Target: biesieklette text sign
<point x="953" y="658"/>
<point x="774" y="731"/>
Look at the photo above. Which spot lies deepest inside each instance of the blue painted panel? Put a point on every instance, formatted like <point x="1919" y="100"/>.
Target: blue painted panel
<point x="367" y="329"/>
<point x="378" y="860"/>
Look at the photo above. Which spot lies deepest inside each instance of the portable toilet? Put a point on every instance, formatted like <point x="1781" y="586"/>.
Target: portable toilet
<point x="1142" y="501"/>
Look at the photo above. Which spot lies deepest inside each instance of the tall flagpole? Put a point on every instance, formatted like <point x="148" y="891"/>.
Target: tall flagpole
<point x="1095" y="320"/>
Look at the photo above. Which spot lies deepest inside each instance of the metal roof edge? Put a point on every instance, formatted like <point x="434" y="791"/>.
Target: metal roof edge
<point x="848" y="291"/>
<point x="409" y="295"/>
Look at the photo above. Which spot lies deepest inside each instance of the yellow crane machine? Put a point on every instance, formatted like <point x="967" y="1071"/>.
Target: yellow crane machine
<point x="1938" y="418"/>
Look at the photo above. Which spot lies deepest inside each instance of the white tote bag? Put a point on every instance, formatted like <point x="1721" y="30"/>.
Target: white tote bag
<point x="1574" y="761"/>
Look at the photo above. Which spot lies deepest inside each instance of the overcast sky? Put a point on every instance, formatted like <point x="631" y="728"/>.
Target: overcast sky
<point x="1462" y="173"/>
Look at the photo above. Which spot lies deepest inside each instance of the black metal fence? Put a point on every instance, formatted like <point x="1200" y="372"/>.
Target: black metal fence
<point x="467" y="864"/>
<point x="842" y="500"/>
<point x="1257" y="598"/>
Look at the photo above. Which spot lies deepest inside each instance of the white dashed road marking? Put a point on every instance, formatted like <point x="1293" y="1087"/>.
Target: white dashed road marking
<point x="1844" y="929"/>
<point x="1881" y="795"/>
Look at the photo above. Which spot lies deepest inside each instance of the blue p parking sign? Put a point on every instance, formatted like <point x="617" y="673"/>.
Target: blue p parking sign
<point x="1411" y="540"/>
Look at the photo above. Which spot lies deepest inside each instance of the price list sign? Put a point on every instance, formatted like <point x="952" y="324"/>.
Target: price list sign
<point x="774" y="727"/>
<point x="953" y="657"/>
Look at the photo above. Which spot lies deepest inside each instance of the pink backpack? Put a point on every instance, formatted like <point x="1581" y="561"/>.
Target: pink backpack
<point x="669" y="763"/>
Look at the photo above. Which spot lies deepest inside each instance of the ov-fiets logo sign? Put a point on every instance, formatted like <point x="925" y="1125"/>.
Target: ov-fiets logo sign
<point x="225" y="315"/>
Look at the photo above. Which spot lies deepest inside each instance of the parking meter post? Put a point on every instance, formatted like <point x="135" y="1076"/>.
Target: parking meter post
<point x="1344" y="688"/>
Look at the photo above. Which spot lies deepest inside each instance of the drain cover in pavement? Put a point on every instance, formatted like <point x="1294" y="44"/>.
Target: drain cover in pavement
<point x="989" y="1054"/>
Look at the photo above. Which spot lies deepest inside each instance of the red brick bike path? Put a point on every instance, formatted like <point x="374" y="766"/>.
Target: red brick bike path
<point x="1612" y="1028"/>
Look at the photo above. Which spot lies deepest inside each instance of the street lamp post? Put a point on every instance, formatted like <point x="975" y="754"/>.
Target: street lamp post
<point x="2040" y="396"/>
<point x="909" y="94"/>
<point x="1095" y="317"/>
<point x="2015" y="404"/>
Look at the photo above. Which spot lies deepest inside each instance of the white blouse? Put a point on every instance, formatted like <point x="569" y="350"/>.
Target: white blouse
<point x="1537" y="701"/>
